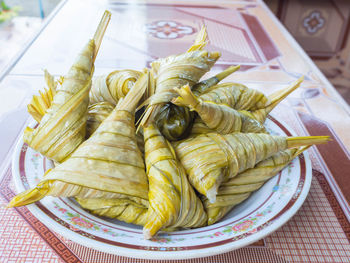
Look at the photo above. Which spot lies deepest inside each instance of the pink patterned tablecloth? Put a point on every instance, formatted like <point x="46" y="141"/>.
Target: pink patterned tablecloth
<point x="246" y="33"/>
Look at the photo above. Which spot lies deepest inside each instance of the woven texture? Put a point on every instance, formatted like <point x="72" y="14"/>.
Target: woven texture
<point x="314" y="234"/>
<point x="320" y="230"/>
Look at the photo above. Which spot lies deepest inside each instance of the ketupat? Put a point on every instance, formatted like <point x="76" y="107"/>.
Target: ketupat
<point x="240" y="97"/>
<point x="110" y="88"/>
<point x="222" y="119"/>
<point x="218" y="117"/>
<point x="211" y="159"/>
<point x="176" y="71"/>
<point x="172" y="201"/>
<point x="106" y="173"/>
<point x="62" y="129"/>
<point x="239" y="188"/>
<point x="175" y="122"/>
<point x="107" y="165"/>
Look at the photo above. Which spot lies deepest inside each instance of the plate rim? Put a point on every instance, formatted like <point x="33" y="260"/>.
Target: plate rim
<point x="166" y="255"/>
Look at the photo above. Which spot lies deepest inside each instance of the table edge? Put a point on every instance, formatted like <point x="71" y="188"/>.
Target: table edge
<point x="5" y="72"/>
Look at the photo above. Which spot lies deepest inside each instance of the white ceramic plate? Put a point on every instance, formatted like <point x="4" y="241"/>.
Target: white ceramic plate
<point x="265" y="211"/>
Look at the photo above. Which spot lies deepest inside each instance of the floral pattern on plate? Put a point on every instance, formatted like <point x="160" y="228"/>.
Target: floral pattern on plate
<point x="259" y="215"/>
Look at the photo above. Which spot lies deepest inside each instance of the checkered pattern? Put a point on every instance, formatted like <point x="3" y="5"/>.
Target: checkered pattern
<point x="248" y="254"/>
<point x="314" y="233"/>
<point x="319" y="232"/>
<point x="19" y="242"/>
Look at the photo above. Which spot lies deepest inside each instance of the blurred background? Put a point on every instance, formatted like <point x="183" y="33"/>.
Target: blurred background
<point x="320" y="27"/>
<point x="20" y="20"/>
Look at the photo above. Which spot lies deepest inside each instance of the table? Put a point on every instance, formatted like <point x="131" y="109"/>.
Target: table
<point x="246" y="33"/>
<point x="13" y="34"/>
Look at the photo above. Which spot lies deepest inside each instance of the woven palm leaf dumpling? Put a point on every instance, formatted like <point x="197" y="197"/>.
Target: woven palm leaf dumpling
<point x="172" y="201"/>
<point x="225" y="114"/>
<point x="62" y="126"/>
<point x="211" y="159"/>
<point x="175" y="121"/>
<point x="108" y="165"/>
<point x="239" y="188"/>
<point x="160" y="176"/>
<point x="174" y="71"/>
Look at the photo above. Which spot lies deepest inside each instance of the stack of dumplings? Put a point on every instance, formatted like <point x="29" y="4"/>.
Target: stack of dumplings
<point x="158" y="147"/>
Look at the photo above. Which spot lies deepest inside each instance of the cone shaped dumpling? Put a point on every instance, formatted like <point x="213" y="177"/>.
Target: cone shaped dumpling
<point x="175" y="122"/>
<point x="218" y="117"/>
<point x="210" y="159"/>
<point x="172" y="201"/>
<point x="239" y="188"/>
<point x="176" y="71"/>
<point x="240" y="97"/>
<point x="62" y="128"/>
<point x="107" y="165"/>
<point x="250" y="108"/>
